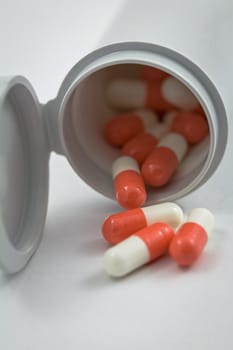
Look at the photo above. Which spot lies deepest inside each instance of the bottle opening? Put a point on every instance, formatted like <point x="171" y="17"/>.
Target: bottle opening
<point x="89" y="109"/>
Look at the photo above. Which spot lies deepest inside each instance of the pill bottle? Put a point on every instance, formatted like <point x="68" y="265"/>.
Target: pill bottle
<point x="72" y="125"/>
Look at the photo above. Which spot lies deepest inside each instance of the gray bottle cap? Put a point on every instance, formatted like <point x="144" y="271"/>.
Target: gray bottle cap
<point x="23" y="173"/>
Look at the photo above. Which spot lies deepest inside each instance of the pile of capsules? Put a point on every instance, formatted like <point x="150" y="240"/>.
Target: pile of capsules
<point x="160" y="120"/>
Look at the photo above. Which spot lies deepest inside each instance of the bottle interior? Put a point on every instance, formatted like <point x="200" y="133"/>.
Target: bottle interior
<point x="86" y="113"/>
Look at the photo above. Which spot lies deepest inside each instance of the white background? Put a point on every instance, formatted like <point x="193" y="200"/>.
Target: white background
<point x="63" y="300"/>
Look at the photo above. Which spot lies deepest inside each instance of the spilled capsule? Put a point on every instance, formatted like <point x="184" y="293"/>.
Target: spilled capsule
<point x="192" y="237"/>
<point x="128" y="183"/>
<point x="120" y="226"/>
<point x="142" y="247"/>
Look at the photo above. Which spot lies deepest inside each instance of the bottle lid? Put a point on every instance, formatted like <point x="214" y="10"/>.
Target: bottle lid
<point x="24" y="155"/>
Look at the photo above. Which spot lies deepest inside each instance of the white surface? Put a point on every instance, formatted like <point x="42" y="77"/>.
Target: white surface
<point x="170" y="213"/>
<point x="126" y="257"/>
<point x="63" y="298"/>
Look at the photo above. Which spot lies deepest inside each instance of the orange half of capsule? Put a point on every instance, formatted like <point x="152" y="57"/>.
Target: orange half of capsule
<point x="159" y="167"/>
<point x="192" y="126"/>
<point x="140" y="146"/>
<point x="120" y="226"/>
<point x="157" y="238"/>
<point x="155" y="99"/>
<point x="188" y="244"/>
<point x="153" y="74"/>
<point x="121" y="128"/>
<point x="130" y="189"/>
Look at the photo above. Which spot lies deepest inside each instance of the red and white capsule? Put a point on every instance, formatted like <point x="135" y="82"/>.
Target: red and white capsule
<point x="163" y="161"/>
<point x="141" y="145"/>
<point x="142" y="247"/>
<point x="128" y="183"/>
<point x="192" y="237"/>
<point x="191" y="125"/>
<point x="161" y="96"/>
<point x="124" y="126"/>
<point x="120" y="226"/>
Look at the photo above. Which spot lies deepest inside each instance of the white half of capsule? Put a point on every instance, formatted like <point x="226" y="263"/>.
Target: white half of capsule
<point x="126" y="257"/>
<point x="148" y="117"/>
<point x="158" y="131"/>
<point x="203" y="217"/>
<point x="168" y="118"/>
<point x="170" y="213"/>
<point x="124" y="163"/>
<point x="176" y="143"/>
<point x="126" y="94"/>
<point x="178" y="94"/>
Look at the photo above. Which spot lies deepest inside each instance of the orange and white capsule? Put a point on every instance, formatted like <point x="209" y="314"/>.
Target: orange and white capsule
<point x="161" y="96"/>
<point x="193" y="126"/>
<point x="163" y="161"/>
<point x="128" y="183"/>
<point x="153" y="74"/>
<point x="142" y="247"/>
<point x="141" y="145"/>
<point x="191" y="238"/>
<point x="123" y="127"/>
<point x="120" y="226"/>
